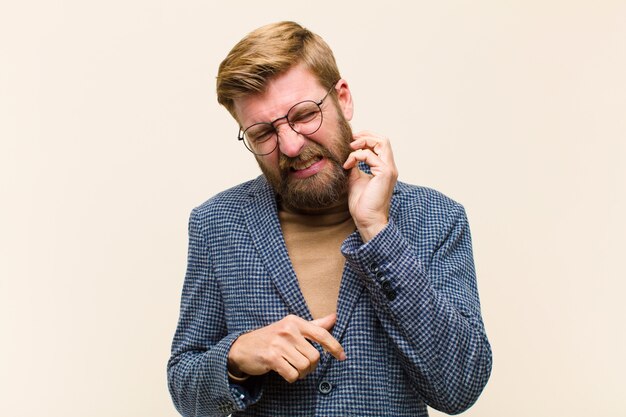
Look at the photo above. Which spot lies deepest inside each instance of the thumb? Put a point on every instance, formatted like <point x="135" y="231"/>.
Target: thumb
<point x="354" y="175"/>
<point x="326" y="322"/>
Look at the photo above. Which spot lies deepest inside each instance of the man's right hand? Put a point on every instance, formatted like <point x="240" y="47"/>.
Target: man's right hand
<point x="284" y="347"/>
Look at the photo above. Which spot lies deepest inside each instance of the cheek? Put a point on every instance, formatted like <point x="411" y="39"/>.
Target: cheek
<point x="331" y="136"/>
<point x="326" y="135"/>
<point x="270" y="161"/>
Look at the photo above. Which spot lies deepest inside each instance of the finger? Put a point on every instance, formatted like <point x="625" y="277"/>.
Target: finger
<point x="327" y="322"/>
<point x="369" y="138"/>
<point x="286" y="370"/>
<point x="364" y="134"/>
<point x="355" y="175"/>
<point x="324" y="338"/>
<point x="379" y="145"/>
<point x="363" y="155"/>
<point x="298" y="361"/>
<point x="311" y="354"/>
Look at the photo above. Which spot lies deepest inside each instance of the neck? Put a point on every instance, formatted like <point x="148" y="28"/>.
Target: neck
<point x="340" y="207"/>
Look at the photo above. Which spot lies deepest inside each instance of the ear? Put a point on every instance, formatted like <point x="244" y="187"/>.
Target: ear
<point x="344" y="96"/>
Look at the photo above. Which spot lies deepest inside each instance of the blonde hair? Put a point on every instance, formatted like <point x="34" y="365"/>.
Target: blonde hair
<point x="268" y="52"/>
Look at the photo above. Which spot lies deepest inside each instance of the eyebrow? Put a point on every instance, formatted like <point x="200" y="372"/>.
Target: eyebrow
<point x="319" y="103"/>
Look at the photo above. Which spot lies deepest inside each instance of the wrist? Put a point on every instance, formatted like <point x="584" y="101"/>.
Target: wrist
<point x="237" y="376"/>
<point x="234" y="373"/>
<point x="369" y="232"/>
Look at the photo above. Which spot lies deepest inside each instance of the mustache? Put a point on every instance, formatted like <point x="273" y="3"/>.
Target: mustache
<point x="285" y="163"/>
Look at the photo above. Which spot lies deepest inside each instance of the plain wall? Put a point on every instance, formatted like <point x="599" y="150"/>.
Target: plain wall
<point x="110" y="134"/>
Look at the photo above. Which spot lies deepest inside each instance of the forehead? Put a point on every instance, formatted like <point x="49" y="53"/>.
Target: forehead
<point x="282" y="92"/>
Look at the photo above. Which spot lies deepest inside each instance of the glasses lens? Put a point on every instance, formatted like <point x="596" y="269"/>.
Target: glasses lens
<point x="305" y="118"/>
<point x="260" y="138"/>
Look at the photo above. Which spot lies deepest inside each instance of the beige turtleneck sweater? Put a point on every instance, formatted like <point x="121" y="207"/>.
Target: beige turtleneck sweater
<point x="313" y="243"/>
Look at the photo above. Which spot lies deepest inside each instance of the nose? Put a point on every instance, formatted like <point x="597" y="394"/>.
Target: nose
<point x="290" y="143"/>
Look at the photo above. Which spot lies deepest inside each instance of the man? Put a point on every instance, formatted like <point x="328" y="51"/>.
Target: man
<point x="323" y="287"/>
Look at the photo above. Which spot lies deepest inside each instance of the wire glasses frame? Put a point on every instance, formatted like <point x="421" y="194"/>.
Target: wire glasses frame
<point x="304" y="118"/>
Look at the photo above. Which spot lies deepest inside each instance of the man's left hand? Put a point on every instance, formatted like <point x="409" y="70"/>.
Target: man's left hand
<point x="369" y="196"/>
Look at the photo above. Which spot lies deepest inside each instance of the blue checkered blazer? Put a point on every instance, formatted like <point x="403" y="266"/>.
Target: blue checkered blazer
<point x="408" y="312"/>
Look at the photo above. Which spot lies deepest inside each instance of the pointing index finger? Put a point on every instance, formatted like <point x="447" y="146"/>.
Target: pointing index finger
<point x="325" y="339"/>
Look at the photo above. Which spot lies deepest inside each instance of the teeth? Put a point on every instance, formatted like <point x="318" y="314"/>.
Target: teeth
<point x="298" y="166"/>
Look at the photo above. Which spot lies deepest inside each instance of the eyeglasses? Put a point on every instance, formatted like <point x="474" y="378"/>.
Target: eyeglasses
<point x="304" y="118"/>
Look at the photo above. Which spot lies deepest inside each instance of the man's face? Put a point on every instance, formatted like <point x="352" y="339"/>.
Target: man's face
<point x="305" y="171"/>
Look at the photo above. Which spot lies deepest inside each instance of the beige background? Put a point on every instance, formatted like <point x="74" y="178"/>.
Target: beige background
<point x="110" y="134"/>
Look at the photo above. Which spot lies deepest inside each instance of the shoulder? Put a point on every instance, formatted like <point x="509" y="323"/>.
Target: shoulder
<point x="425" y="215"/>
<point x="229" y="202"/>
<point x="425" y="199"/>
<point x="425" y="211"/>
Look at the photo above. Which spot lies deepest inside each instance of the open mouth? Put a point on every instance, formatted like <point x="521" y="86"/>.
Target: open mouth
<point x="302" y="165"/>
<point x="307" y="168"/>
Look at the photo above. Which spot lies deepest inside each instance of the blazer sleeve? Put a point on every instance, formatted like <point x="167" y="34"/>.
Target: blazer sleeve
<point x="196" y="370"/>
<point x="430" y="313"/>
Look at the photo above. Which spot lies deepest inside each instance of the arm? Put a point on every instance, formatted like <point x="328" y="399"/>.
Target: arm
<point x="196" y="371"/>
<point x="432" y="315"/>
<point x="429" y="307"/>
<point x="203" y="351"/>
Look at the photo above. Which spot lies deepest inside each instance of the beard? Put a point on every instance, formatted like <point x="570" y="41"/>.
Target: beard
<point x="323" y="190"/>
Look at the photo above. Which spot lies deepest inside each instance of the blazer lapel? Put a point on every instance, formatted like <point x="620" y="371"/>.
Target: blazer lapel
<point x="351" y="289"/>
<point x="352" y="286"/>
<point x="261" y="215"/>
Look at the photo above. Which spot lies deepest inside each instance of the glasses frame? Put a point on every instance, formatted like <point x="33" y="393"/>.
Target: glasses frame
<point x="242" y="131"/>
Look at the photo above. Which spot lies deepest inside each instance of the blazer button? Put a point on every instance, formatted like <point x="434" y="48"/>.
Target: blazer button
<point x="386" y="286"/>
<point x="325" y="387"/>
<point x="391" y="295"/>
